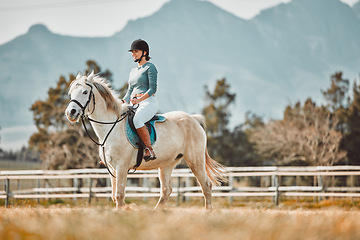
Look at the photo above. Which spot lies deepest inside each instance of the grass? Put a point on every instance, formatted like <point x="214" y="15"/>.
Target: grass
<point x="187" y="222"/>
<point x="244" y="218"/>
<point x="218" y="203"/>
<point x="18" y="165"/>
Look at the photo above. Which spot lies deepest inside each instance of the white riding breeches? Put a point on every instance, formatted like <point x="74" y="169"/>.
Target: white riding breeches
<point x="146" y="110"/>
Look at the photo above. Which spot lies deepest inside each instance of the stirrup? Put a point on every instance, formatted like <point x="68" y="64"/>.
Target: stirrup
<point x="152" y="155"/>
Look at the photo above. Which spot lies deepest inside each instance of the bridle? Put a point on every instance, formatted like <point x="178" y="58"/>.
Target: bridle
<point x="83" y="116"/>
<point x="83" y="108"/>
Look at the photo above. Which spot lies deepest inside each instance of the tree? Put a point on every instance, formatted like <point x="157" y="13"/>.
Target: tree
<point x="351" y="141"/>
<point x="228" y="147"/>
<point x="61" y="144"/>
<point x="217" y="110"/>
<point x="337" y="98"/>
<point x="307" y="135"/>
<point x="336" y="95"/>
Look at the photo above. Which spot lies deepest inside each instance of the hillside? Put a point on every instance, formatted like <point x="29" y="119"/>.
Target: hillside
<point x="284" y="54"/>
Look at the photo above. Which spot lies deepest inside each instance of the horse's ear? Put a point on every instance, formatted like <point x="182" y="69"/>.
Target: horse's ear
<point x="78" y="76"/>
<point x="91" y="75"/>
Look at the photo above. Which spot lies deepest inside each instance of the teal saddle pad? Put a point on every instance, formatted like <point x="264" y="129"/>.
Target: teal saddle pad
<point x="133" y="137"/>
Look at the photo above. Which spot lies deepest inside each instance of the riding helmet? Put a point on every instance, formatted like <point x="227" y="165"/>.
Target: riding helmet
<point x="140" y="45"/>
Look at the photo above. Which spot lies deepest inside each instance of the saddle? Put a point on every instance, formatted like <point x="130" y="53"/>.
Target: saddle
<point x="133" y="137"/>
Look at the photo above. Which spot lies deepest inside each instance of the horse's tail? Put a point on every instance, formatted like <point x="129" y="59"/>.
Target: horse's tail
<point x="201" y="120"/>
<point x="215" y="171"/>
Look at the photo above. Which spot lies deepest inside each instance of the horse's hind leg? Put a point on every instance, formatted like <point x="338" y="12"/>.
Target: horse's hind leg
<point x="198" y="168"/>
<point x="165" y="182"/>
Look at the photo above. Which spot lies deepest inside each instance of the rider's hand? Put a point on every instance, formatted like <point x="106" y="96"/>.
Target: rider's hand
<point x="134" y="101"/>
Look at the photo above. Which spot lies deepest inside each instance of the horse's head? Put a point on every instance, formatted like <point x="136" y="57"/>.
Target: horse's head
<point x="81" y="93"/>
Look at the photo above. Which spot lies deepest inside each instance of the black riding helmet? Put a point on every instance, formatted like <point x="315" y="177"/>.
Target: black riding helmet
<point x="142" y="46"/>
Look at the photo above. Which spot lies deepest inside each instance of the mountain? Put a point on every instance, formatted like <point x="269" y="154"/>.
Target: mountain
<point x="307" y="44"/>
<point x="32" y="63"/>
<point x="190" y="49"/>
<point x="356" y="8"/>
<point x="285" y="54"/>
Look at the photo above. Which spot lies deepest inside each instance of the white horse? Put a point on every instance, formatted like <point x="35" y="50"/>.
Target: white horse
<point x="180" y="136"/>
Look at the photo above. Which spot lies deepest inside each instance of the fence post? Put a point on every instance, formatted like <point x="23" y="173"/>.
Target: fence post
<point x="7" y="189"/>
<point x="90" y="188"/>
<point x="178" y="192"/>
<point x="321" y="184"/>
<point x="275" y="183"/>
<point x="332" y="185"/>
<point x="76" y="185"/>
<point x="231" y="181"/>
<point x="352" y="186"/>
<point x="47" y="185"/>
<point x="39" y="186"/>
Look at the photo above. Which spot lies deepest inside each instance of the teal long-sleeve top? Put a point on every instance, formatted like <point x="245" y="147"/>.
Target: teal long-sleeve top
<point x="142" y="79"/>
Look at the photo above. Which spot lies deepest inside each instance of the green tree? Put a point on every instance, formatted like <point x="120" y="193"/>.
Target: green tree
<point x="338" y="99"/>
<point x="231" y="148"/>
<point x="61" y="144"/>
<point x="351" y="141"/>
<point x="217" y="111"/>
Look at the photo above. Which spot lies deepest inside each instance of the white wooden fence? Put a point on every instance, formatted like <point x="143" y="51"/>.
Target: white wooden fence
<point x="243" y="182"/>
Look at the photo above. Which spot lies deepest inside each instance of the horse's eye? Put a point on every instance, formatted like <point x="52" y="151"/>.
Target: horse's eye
<point x="85" y="92"/>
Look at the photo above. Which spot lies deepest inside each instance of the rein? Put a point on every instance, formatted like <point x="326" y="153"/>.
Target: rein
<point x="83" y="116"/>
<point x="124" y="115"/>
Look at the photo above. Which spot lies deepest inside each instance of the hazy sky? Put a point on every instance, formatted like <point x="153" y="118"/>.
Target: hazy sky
<point x="98" y="17"/>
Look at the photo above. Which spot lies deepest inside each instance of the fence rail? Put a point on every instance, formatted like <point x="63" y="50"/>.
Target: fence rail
<point x="243" y="182"/>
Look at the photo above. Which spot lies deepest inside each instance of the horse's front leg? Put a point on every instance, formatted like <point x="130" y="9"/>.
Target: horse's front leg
<point x="113" y="190"/>
<point x="121" y="176"/>
<point x="112" y="179"/>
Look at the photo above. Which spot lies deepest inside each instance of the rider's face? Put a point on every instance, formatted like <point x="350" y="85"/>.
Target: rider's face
<point x="136" y="54"/>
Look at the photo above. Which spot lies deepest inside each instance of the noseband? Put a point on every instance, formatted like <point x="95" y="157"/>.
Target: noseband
<point x="83" y="108"/>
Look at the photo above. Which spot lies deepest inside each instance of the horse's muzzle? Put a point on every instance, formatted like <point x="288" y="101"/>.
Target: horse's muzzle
<point x="72" y="114"/>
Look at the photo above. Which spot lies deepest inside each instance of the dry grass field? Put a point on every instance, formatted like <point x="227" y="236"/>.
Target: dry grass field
<point x="142" y="222"/>
<point x="18" y="165"/>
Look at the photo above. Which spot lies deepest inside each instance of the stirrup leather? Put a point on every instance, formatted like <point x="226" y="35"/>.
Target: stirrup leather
<point x="152" y="155"/>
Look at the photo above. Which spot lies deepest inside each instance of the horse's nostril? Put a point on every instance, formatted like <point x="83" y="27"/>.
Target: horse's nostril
<point x="73" y="111"/>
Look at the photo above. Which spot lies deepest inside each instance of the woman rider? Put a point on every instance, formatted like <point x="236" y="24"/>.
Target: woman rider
<point x="141" y="90"/>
